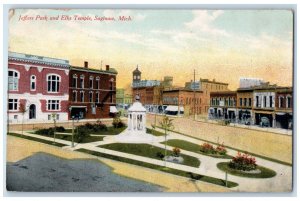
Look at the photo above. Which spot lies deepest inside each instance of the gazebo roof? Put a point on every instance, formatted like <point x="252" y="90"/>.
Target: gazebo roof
<point x="137" y="107"/>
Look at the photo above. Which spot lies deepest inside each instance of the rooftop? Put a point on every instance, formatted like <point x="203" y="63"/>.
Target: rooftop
<point x="38" y="59"/>
<point x="110" y="71"/>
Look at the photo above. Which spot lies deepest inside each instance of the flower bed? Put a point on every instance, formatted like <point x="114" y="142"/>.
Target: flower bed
<point x="243" y="162"/>
<point x="245" y="165"/>
<point x="210" y="149"/>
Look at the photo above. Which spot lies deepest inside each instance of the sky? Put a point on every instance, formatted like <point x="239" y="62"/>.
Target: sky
<point x="219" y="44"/>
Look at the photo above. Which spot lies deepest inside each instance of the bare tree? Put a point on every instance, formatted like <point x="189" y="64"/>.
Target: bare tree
<point x="23" y="110"/>
<point x="167" y="125"/>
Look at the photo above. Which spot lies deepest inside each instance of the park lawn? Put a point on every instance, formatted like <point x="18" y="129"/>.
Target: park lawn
<point x="190" y="175"/>
<point x="147" y="150"/>
<point x="69" y="138"/>
<point x="109" y="131"/>
<point x="154" y="132"/>
<point x="188" y="146"/>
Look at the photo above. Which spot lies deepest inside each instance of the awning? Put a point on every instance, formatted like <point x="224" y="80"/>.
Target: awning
<point x="78" y="106"/>
<point x="174" y="108"/>
<point x="113" y="109"/>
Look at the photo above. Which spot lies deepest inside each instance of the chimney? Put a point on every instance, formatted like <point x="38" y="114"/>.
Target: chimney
<point x="86" y="64"/>
<point x="107" y="67"/>
<point x="214" y="80"/>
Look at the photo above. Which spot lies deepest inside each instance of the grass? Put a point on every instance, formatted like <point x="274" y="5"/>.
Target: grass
<point x="239" y="150"/>
<point x="185" y="145"/>
<point x="69" y="138"/>
<point x="109" y="131"/>
<point x="265" y="172"/>
<point x="37" y="139"/>
<point x="192" y="176"/>
<point x="149" y="151"/>
<point x="154" y="132"/>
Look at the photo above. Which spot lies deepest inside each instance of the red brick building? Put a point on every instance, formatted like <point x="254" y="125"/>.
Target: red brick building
<point x="39" y="85"/>
<point x="92" y="92"/>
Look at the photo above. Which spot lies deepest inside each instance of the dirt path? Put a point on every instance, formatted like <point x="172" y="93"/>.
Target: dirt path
<point x="18" y="149"/>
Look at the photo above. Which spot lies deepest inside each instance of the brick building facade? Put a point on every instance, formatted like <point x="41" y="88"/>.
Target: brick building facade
<point x="92" y="92"/>
<point x="37" y="88"/>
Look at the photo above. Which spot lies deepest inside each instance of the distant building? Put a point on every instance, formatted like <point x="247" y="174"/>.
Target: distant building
<point x="250" y="82"/>
<point x="184" y="100"/>
<point x="92" y="92"/>
<point x="149" y="91"/>
<point x="206" y="86"/>
<point x="122" y="97"/>
<point x="39" y="85"/>
<point x="223" y="105"/>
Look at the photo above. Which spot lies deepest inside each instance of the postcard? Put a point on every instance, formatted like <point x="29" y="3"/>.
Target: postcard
<point x="150" y="100"/>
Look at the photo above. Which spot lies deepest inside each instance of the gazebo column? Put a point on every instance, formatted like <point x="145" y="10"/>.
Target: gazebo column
<point x="144" y="122"/>
<point x="136" y="121"/>
<point x="128" y="122"/>
<point x="132" y="116"/>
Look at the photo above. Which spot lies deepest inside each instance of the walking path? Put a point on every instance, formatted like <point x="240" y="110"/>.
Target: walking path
<point x="282" y="182"/>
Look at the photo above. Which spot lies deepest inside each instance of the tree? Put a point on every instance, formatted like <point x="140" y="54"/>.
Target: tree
<point x="167" y="125"/>
<point x="23" y="110"/>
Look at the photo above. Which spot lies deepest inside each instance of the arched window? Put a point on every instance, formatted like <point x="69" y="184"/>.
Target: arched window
<point x="281" y="101"/>
<point x="82" y="96"/>
<point x="82" y="81"/>
<point x="97" y="97"/>
<point x="91" y="82"/>
<point x="97" y="82"/>
<point x="13" y="80"/>
<point x="53" y="81"/>
<point x="74" y="96"/>
<point x="90" y="96"/>
<point x="33" y="83"/>
<point x="74" y="81"/>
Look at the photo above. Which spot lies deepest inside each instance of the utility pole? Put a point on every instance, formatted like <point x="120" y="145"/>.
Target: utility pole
<point x="194" y="88"/>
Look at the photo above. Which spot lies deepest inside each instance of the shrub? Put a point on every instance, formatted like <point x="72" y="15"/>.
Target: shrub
<point x="243" y="162"/>
<point x="221" y="150"/>
<point x="176" y="151"/>
<point x="117" y="122"/>
<point x="99" y="127"/>
<point x="160" y="155"/>
<point x="81" y="134"/>
<point x="45" y="131"/>
<point x="207" y="148"/>
<point x="60" y="129"/>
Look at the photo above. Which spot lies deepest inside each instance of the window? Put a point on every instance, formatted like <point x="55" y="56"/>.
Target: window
<point x="97" y="82"/>
<point x="57" y="116"/>
<point x="32" y="83"/>
<point x="74" y="81"/>
<point x="271" y="101"/>
<point x="250" y="102"/>
<point x="97" y="97"/>
<point x="53" y="83"/>
<point x="289" y="101"/>
<point x="91" y="82"/>
<point x="53" y="104"/>
<point x="15" y="116"/>
<point x="82" y="96"/>
<point x="281" y="100"/>
<point x="74" y="96"/>
<point x="49" y="116"/>
<point x="265" y="101"/>
<point x="111" y="97"/>
<point x="241" y="102"/>
<point x="257" y="101"/>
<point x="13" y="80"/>
<point x="245" y="101"/>
<point x="90" y="96"/>
<point x="82" y="81"/>
<point x="13" y="104"/>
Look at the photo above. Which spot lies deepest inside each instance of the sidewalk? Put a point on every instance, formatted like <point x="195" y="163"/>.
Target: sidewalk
<point x="283" y="179"/>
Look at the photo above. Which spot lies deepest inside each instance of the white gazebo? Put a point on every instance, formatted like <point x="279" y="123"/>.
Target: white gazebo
<point x="136" y="127"/>
<point x="137" y="117"/>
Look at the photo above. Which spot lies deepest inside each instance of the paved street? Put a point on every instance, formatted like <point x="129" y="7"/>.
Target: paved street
<point x="281" y="182"/>
<point x="263" y="143"/>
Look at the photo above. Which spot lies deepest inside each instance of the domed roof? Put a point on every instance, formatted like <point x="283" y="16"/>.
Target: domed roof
<point x="137" y="107"/>
<point x="137" y="70"/>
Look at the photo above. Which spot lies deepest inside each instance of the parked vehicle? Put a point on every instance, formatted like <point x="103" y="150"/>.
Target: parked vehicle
<point x="264" y="122"/>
